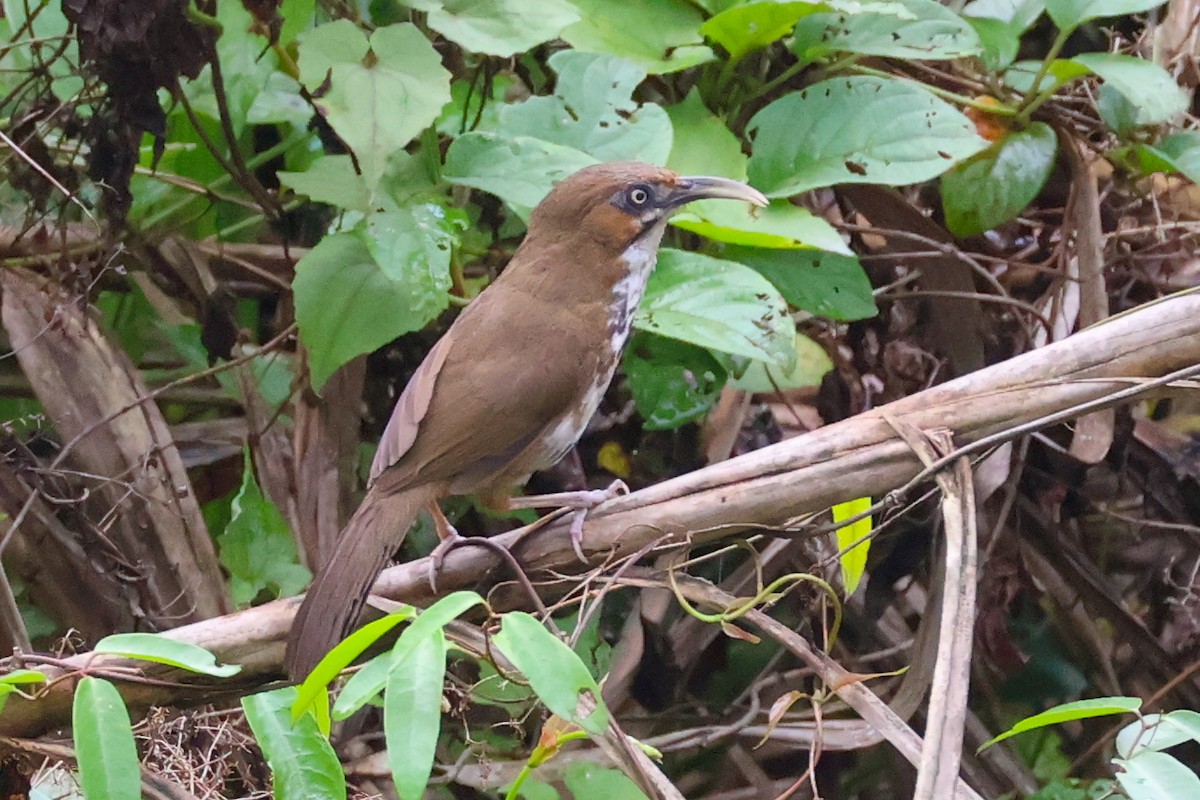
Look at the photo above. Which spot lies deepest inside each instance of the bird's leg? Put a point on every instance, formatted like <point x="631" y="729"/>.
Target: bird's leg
<point x="580" y="502"/>
<point x="448" y="539"/>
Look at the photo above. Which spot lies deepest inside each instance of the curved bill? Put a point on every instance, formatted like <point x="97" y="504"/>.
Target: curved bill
<point x="702" y="187"/>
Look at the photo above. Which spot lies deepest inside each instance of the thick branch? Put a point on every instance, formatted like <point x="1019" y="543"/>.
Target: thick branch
<point x="859" y="456"/>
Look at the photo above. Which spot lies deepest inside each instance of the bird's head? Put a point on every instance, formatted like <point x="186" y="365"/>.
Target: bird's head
<point x="619" y="205"/>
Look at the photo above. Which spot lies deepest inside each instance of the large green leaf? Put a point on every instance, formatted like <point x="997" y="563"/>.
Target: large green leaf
<point x="744" y="28"/>
<point x="831" y="285"/>
<point x="830" y="133"/>
<point x="1068" y="14"/>
<point x="1148" y="88"/>
<point x="672" y="382"/>
<point x="257" y="548"/>
<point x="1156" y="776"/>
<point x="104" y="746"/>
<point x="592" y="110"/>
<point x="382" y="91"/>
<point x="717" y="304"/>
<point x="412" y="709"/>
<point x="349" y="302"/>
<point x="660" y="35"/>
<point x="519" y="170"/>
<point x="497" y="27"/>
<point x="704" y="146"/>
<point x="1000" y="182"/>
<point x="303" y="764"/>
<point x="929" y="31"/>
<point x="557" y="675"/>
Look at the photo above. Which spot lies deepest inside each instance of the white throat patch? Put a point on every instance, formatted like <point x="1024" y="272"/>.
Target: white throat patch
<point x="639" y="259"/>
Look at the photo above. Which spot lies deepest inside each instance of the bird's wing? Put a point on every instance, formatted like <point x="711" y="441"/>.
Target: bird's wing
<point x="481" y="397"/>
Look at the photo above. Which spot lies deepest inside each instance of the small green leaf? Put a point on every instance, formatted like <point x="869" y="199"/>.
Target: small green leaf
<point x="1145" y="85"/>
<point x="559" y="677"/>
<point x="342" y="656"/>
<point x="519" y="170"/>
<point x="1070" y="14"/>
<point x="1179" y="152"/>
<point x="999" y="183"/>
<point x="830" y="285"/>
<point x="999" y="42"/>
<point x="332" y="180"/>
<point x="929" y="31"/>
<point x="717" y="304"/>
<point x="1021" y="14"/>
<point x="829" y="133"/>
<point x="161" y="650"/>
<point x="108" y="758"/>
<point x="1156" y="776"/>
<point x="812" y="363"/>
<point x="660" y="35"/>
<point x="303" y="764"/>
<point x="22" y="676"/>
<point x="854" y="560"/>
<point x="382" y="91"/>
<point x="1061" y="72"/>
<point x="1067" y="712"/>
<point x="672" y="382"/>
<point x="497" y="27"/>
<point x="371" y="679"/>
<point x="1158" y="732"/>
<point x="412" y="709"/>
<point x="591" y="781"/>
<point x="593" y="111"/>
<point x="348" y="304"/>
<point x="742" y="29"/>
<point x="257" y="547"/>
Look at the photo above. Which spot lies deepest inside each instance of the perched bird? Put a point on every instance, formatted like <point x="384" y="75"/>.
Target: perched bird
<point x="511" y="385"/>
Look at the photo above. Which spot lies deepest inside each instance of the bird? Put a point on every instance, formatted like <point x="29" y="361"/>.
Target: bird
<point x="512" y="383"/>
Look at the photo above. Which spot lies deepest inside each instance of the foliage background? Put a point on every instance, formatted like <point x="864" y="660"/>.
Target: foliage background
<point x="269" y="211"/>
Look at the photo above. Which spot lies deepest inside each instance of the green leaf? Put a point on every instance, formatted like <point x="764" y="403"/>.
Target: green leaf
<point x="672" y="382"/>
<point x="660" y="35"/>
<point x="412" y="245"/>
<point x="303" y="764"/>
<point x="1067" y="712"/>
<point x="591" y="781"/>
<point x="854" y="560"/>
<point x="1158" y="732"/>
<point x="929" y="31"/>
<point x="999" y="183"/>
<point x="342" y="656"/>
<point x="559" y="677"/>
<point x="999" y="42"/>
<point x="717" y="304"/>
<point x="104" y="746"/>
<point x="592" y="110"/>
<point x="1156" y="776"/>
<point x="1179" y="152"/>
<point x="382" y="91"/>
<point x="1019" y="13"/>
<point x="704" y="146"/>
<point x="828" y="285"/>
<point x="348" y="303"/>
<point x="332" y="180"/>
<point x="830" y="133"/>
<point x="412" y="709"/>
<point x="497" y="27"/>
<point x="161" y="650"/>
<point x="1070" y="14"/>
<point x="519" y="170"/>
<point x="812" y="363"/>
<point x="370" y="680"/>
<point x="745" y="28"/>
<point x="257" y="548"/>
<point x="1148" y="87"/>
<point x="1061" y="72"/>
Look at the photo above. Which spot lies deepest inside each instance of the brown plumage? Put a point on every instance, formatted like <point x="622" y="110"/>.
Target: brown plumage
<point x="511" y="385"/>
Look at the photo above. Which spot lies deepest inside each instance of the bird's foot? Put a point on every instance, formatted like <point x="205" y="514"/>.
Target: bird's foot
<point x="447" y="541"/>
<point x="580" y="502"/>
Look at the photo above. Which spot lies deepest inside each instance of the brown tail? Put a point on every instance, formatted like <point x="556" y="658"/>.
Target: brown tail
<point x="338" y="593"/>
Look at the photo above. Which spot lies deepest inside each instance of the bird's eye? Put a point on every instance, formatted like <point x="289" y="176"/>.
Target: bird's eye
<point x="638" y="195"/>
